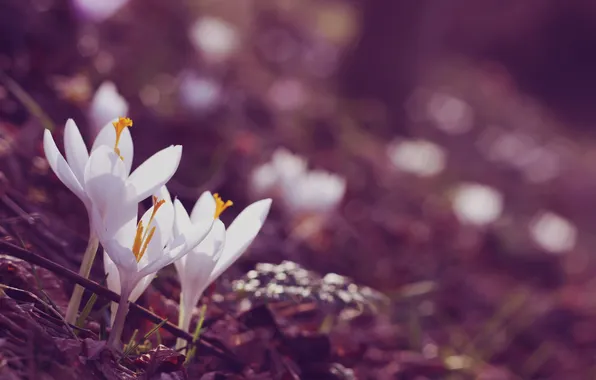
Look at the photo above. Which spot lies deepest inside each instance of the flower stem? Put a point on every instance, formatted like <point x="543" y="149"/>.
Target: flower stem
<point x="184" y="317"/>
<point x="77" y="294"/>
<point x="118" y="326"/>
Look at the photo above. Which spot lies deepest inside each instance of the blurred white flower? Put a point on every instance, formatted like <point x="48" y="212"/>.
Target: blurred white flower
<point x="107" y="104"/>
<point x="553" y="233"/>
<point x="302" y="190"/>
<point x="283" y="169"/>
<point x="198" y="93"/>
<point x="450" y="114"/>
<point x="316" y="192"/>
<point x="419" y="157"/>
<point x="215" y="38"/>
<point x="477" y="204"/>
<point x="98" y="10"/>
<point x="220" y="249"/>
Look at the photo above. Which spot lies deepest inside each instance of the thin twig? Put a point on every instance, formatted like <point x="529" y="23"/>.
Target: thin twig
<point x="46" y="305"/>
<point x="207" y="343"/>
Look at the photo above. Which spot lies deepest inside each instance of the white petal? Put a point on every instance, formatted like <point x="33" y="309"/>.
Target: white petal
<point x="201" y="261"/>
<point x="107" y="103"/>
<point x="241" y="233"/>
<point x="163" y="223"/>
<point x="180" y="246"/>
<point x="181" y="220"/>
<point x="61" y="168"/>
<point x="141" y="287"/>
<point x="111" y="270"/>
<point x="155" y="172"/>
<point x="181" y="223"/>
<point x="204" y="208"/>
<point x="76" y="150"/>
<point x="113" y="281"/>
<point x="164" y="193"/>
<point x="107" y="136"/>
<point x="194" y="275"/>
<point x="122" y="256"/>
<point x="104" y="178"/>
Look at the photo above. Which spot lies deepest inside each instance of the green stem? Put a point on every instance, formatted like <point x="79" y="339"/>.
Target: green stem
<point x="75" y="300"/>
<point x="184" y="317"/>
<point x="118" y="326"/>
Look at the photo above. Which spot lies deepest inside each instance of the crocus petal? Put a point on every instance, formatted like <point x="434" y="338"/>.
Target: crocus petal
<point x="204" y="208"/>
<point x="181" y="223"/>
<point x="113" y="280"/>
<point x="181" y="220"/>
<point x="76" y="151"/>
<point x="194" y="274"/>
<point x="163" y="223"/>
<point x="191" y="236"/>
<point x="164" y="193"/>
<point x="201" y="261"/>
<point x="140" y="288"/>
<point x="61" y="168"/>
<point x="155" y="172"/>
<point x="122" y="257"/>
<point x="180" y="246"/>
<point x="240" y="234"/>
<point x="104" y="178"/>
<point x="107" y="136"/>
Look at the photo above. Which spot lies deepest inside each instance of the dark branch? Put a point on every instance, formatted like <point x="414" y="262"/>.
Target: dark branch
<point x="209" y="345"/>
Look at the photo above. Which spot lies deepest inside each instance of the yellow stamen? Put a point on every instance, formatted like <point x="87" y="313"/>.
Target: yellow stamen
<point x="136" y="246"/>
<point x="220" y="205"/>
<point x="157" y="203"/>
<point x="120" y="125"/>
<point x="144" y="235"/>
<point x="146" y="243"/>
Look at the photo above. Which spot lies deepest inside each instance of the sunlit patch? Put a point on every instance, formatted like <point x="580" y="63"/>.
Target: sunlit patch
<point x="220" y="205"/>
<point x="477" y="204"/>
<point x="553" y="233"/>
<point x="420" y="157"/>
<point x="145" y="234"/>
<point x="120" y="125"/>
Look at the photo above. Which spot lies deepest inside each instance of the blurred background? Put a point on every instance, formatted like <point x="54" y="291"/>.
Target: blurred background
<point x="439" y="152"/>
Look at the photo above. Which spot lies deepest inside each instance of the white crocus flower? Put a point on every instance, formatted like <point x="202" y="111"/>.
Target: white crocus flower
<point x="137" y="249"/>
<point x="156" y="171"/>
<point x="303" y="191"/>
<point x="107" y="104"/>
<point x="166" y="218"/>
<point x="220" y="249"/>
<point x="315" y="192"/>
<point x="72" y="171"/>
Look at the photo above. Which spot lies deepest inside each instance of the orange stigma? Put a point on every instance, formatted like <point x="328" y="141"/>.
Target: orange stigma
<point x="120" y="125"/>
<point x="220" y="205"/>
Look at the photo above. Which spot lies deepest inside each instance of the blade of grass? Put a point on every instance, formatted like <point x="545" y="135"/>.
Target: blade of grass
<point x="537" y="359"/>
<point x="131" y="343"/>
<point x="28" y="102"/>
<point x="130" y="349"/>
<point x="196" y="335"/>
<point x="86" y="310"/>
<point x="509" y="308"/>
<point x="327" y="324"/>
